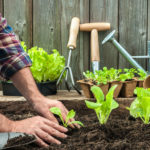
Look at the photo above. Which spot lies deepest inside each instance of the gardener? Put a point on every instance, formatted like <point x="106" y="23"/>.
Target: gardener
<point x="14" y="65"/>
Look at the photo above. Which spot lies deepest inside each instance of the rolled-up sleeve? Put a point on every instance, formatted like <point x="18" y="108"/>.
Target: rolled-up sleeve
<point x="12" y="55"/>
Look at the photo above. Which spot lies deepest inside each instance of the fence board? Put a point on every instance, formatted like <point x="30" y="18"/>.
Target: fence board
<point x="19" y="18"/>
<point x="1" y="6"/>
<point x="106" y="11"/>
<point x="46" y="24"/>
<point x="51" y="29"/>
<point x="133" y="29"/>
<point x="71" y="8"/>
<point x="84" y="38"/>
<point x="148" y="10"/>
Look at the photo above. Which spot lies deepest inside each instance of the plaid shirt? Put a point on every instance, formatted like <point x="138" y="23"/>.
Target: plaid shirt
<point x="12" y="55"/>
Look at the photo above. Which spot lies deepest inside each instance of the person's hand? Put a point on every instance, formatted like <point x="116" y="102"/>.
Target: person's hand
<point x="43" y="105"/>
<point x="44" y="130"/>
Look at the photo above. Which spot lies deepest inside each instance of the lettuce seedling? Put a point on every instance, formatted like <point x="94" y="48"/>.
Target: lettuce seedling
<point x="142" y="74"/>
<point x="89" y="75"/>
<point x="45" y="67"/>
<point x="140" y="107"/>
<point x="71" y="114"/>
<point x="114" y="74"/>
<point x="102" y="107"/>
<point x="128" y="74"/>
<point x="101" y="77"/>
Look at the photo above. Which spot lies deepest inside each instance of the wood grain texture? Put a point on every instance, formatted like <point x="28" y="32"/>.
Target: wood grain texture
<point x="148" y="10"/>
<point x="70" y="9"/>
<point x="19" y="18"/>
<point x="106" y="11"/>
<point x="133" y="29"/>
<point x="51" y="24"/>
<point x="84" y="38"/>
<point x="1" y="7"/>
<point x="46" y="24"/>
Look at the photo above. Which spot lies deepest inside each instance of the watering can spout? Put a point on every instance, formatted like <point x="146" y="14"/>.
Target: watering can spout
<point x="123" y="52"/>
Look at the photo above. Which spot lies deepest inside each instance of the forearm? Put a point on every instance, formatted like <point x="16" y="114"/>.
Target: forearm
<point x="6" y="125"/>
<point x="25" y="83"/>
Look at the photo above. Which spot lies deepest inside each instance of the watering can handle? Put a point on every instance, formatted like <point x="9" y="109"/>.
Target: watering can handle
<point x="95" y="54"/>
<point x="74" y="29"/>
<point x="99" y="26"/>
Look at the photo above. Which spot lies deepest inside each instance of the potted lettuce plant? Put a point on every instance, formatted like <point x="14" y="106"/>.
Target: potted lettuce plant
<point x="46" y="69"/>
<point x="129" y="82"/>
<point x="141" y="77"/>
<point x="98" y="79"/>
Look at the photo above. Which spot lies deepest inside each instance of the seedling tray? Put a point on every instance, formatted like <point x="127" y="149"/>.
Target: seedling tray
<point x="128" y="88"/>
<point x="87" y="85"/>
<point x="124" y="89"/>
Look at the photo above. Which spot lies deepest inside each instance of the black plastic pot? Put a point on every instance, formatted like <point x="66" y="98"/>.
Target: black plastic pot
<point x="46" y="88"/>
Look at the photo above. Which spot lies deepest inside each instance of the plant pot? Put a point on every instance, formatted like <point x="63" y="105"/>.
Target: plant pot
<point x="140" y="83"/>
<point x="46" y="88"/>
<point x="128" y="88"/>
<point x="87" y="85"/>
<point x="104" y="88"/>
<point x="86" y="88"/>
<point x="118" y="88"/>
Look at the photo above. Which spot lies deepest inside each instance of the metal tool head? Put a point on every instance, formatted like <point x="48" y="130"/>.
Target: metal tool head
<point x="68" y="72"/>
<point x="5" y="136"/>
<point x="95" y="66"/>
<point x="108" y="37"/>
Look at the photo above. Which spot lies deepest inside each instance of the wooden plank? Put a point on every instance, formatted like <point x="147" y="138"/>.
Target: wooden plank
<point x="84" y="38"/>
<point x="46" y="24"/>
<point x="63" y="95"/>
<point x="133" y="29"/>
<point x="80" y="56"/>
<point x="106" y="11"/>
<point x="19" y="18"/>
<point x="1" y="7"/>
<point x="148" y="10"/>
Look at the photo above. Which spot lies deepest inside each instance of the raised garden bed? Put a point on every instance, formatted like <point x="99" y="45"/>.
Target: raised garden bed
<point x="121" y="131"/>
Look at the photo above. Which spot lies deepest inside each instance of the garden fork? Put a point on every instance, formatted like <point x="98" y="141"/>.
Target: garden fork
<point x="74" y="28"/>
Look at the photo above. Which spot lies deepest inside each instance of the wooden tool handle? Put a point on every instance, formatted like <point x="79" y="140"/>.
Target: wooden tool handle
<point x="95" y="54"/>
<point x="100" y="26"/>
<point x="74" y="29"/>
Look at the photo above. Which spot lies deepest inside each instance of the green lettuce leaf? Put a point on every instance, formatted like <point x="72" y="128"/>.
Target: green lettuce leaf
<point x="46" y="67"/>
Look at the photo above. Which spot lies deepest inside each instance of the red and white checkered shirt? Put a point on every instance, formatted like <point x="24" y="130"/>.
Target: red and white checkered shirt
<point x="12" y="55"/>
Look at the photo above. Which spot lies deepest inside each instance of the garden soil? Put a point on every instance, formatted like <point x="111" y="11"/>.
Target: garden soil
<point x="121" y="132"/>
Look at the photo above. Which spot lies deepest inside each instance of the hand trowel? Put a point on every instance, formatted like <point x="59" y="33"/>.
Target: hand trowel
<point x="6" y="136"/>
<point x="95" y="54"/>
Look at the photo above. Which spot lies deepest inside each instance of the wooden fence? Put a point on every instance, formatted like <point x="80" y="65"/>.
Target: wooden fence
<point x="46" y="23"/>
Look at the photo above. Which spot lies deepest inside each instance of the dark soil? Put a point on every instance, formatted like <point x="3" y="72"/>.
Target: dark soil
<point x="20" y="140"/>
<point x="120" y="133"/>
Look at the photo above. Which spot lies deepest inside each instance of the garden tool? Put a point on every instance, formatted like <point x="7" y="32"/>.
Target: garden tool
<point x="95" y="54"/>
<point x="99" y="26"/>
<point x="74" y="28"/>
<point x="125" y="54"/>
<point x="5" y="136"/>
<point x="94" y="28"/>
